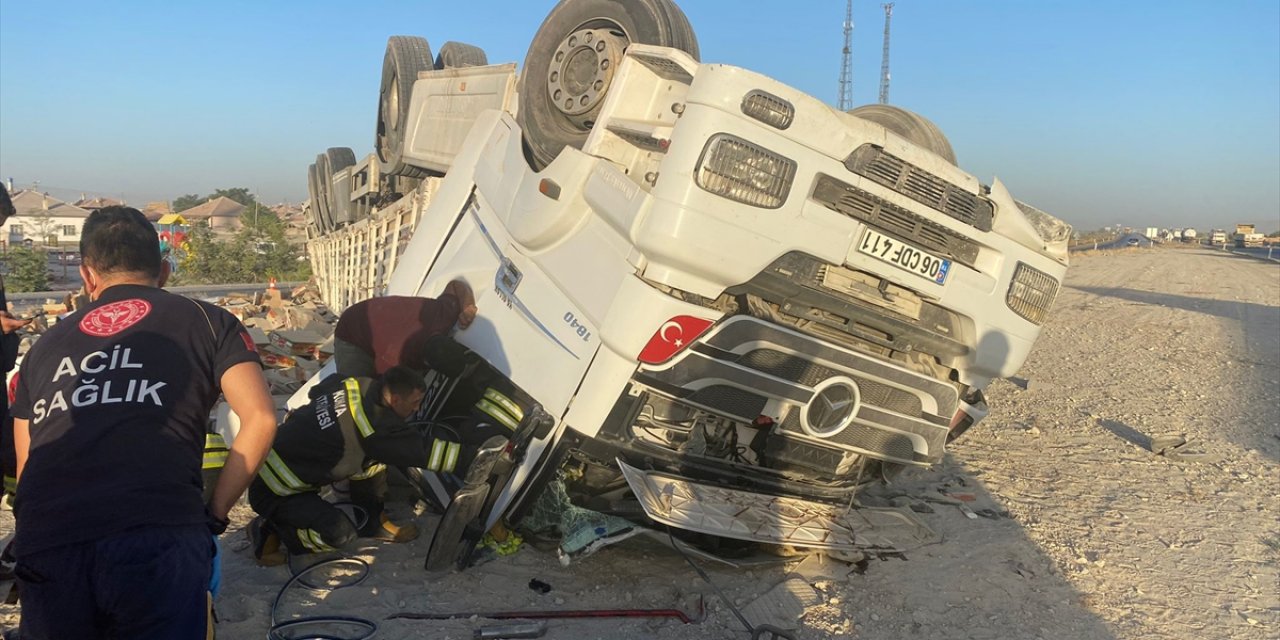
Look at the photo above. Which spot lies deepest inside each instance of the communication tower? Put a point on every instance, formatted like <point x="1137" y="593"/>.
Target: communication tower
<point x="884" y="63"/>
<point x="845" y="102"/>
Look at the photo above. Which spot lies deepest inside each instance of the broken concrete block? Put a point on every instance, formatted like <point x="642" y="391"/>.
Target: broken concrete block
<point x="272" y="358"/>
<point x="258" y="335"/>
<point x="296" y="342"/>
<point x="258" y="322"/>
<point x="281" y="381"/>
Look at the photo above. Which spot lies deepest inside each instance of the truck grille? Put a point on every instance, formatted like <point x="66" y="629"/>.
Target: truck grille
<point x="789" y="367"/>
<point x="879" y="443"/>
<point x="747" y="367"/>
<point x="862" y="205"/>
<point x="729" y="400"/>
<point x="922" y="186"/>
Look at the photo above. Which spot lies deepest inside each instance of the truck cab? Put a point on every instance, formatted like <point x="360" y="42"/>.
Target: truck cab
<point x="736" y="304"/>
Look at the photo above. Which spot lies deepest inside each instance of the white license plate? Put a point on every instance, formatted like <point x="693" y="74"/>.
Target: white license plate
<point x="904" y="256"/>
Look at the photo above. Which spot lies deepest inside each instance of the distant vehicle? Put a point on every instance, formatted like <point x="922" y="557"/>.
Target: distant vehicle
<point x="1189" y="235"/>
<point x="1218" y="236"/>
<point x="1249" y="240"/>
<point x="1133" y="242"/>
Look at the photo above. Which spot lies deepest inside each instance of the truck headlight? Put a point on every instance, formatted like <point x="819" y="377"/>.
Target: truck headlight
<point x="738" y="170"/>
<point x="769" y="109"/>
<point x="1031" y="293"/>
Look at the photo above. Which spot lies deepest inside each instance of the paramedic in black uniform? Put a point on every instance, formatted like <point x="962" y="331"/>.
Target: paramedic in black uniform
<point x="110" y="411"/>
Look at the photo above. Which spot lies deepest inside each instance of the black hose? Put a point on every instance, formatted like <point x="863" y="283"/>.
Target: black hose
<point x="283" y="630"/>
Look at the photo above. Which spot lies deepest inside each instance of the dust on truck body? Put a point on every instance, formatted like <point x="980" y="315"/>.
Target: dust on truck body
<point x="734" y="302"/>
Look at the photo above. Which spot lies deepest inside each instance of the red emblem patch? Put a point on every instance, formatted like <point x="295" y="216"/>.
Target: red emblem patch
<point x="113" y="318"/>
<point x="248" y="341"/>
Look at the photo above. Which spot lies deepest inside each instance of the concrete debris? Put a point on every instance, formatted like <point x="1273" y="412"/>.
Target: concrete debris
<point x="293" y="333"/>
<point x="820" y="566"/>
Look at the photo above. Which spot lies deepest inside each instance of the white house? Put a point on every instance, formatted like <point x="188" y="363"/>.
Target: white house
<point x="44" y="220"/>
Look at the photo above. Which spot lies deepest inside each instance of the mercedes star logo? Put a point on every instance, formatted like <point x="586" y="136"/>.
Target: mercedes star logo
<point x="833" y="407"/>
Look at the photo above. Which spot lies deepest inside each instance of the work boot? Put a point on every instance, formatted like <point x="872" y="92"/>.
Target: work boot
<point x="7" y="561"/>
<point x="265" y="543"/>
<point x="387" y="530"/>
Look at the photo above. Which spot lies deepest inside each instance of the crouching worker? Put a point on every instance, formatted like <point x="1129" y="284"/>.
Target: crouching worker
<point x="351" y="430"/>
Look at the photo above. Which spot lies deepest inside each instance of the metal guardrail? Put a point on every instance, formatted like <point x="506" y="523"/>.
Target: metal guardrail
<point x="190" y="291"/>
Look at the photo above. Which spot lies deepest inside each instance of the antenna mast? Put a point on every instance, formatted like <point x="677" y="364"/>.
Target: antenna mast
<point x="846" y="62"/>
<point x="884" y="64"/>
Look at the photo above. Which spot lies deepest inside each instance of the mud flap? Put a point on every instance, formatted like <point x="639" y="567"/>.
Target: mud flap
<point x="743" y="515"/>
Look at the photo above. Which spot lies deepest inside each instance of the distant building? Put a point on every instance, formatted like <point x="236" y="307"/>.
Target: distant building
<point x="156" y="210"/>
<point x="44" y="220"/>
<point x="93" y="204"/>
<point x="220" y="214"/>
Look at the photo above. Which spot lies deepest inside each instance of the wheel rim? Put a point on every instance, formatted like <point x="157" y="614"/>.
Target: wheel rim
<point x="582" y="69"/>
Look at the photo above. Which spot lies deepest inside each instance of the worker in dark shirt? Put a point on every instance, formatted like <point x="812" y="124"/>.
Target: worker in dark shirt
<point x="9" y="326"/>
<point x="352" y="429"/>
<point x="9" y="339"/>
<point x="379" y="333"/>
<point x="113" y="536"/>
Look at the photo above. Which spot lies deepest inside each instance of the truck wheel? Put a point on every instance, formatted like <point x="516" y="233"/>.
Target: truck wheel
<point x="339" y="200"/>
<point x="457" y="54"/>
<point x="910" y="125"/>
<point x="322" y="193"/>
<point x="571" y="61"/>
<point x="314" y="195"/>
<point x="405" y="57"/>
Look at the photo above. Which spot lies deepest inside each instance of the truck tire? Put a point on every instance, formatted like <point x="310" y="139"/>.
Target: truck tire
<point x="571" y="61"/>
<point x="910" y="125"/>
<point x="322" y="193"/>
<point x="453" y="55"/>
<point x="405" y="57"/>
<point x="339" y="200"/>
<point x="314" y="196"/>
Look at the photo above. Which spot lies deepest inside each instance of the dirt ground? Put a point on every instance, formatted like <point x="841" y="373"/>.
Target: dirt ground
<point x="1084" y="533"/>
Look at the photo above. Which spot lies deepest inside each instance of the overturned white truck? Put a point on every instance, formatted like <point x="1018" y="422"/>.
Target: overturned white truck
<point x="731" y="303"/>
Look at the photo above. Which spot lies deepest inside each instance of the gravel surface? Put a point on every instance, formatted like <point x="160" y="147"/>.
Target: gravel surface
<point x="1084" y="532"/>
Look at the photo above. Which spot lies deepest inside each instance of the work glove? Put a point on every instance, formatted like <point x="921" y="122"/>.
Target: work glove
<point x="216" y="525"/>
<point x="445" y="355"/>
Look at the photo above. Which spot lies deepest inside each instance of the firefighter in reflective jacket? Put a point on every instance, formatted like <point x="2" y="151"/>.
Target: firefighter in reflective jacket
<point x="351" y="430"/>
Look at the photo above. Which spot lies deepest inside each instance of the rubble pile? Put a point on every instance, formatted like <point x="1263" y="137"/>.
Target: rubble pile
<point x="292" y="333"/>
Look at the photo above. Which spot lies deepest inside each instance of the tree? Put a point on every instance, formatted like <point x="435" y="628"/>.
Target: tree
<point x="28" y="269"/>
<point x="239" y="194"/>
<point x="247" y="257"/>
<point x="45" y="229"/>
<point x="182" y="203"/>
<point x="262" y="221"/>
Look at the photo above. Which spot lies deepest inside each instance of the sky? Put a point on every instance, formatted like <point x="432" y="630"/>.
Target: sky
<point x="1144" y="113"/>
